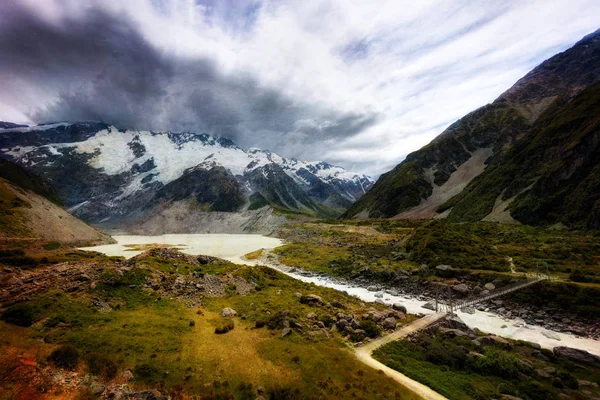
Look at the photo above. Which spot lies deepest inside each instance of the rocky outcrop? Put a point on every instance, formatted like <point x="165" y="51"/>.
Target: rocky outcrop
<point x="577" y="356"/>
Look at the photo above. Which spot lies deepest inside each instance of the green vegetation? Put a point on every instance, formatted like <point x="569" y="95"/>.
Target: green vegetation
<point x="168" y="345"/>
<point x="460" y="369"/>
<point x="532" y="174"/>
<point x="65" y="356"/>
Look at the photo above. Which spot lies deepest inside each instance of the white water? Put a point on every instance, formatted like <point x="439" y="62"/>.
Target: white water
<point x="488" y="322"/>
<point x="233" y="248"/>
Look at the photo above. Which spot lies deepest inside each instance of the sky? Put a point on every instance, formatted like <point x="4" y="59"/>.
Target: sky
<point x="359" y="84"/>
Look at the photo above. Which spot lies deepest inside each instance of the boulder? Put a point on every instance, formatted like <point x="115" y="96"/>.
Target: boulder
<point x="311" y="315"/>
<point x="461" y="288"/>
<point x="399" y="307"/>
<point x="372" y="288"/>
<point x="452" y="332"/>
<point x="228" y="312"/>
<point x="489" y="286"/>
<point x="429" y="306"/>
<point x="445" y="271"/>
<point x="342" y="323"/>
<point x="312" y="300"/>
<point x="577" y="356"/>
<point x="389" y="323"/>
<point x="97" y="389"/>
<point x="285" y="332"/>
<point x="494" y="340"/>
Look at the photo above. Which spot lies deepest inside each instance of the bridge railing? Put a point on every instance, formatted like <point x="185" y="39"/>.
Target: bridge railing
<point x="459" y="305"/>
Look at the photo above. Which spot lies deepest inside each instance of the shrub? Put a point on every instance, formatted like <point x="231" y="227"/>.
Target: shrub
<point x="372" y="329"/>
<point x="145" y="372"/>
<point x="19" y="314"/>
<point x="224" y="327"/>
<point x="451" y="355"/>
<point x="499" y="363"/>
<point x="101" y="365"/>
<point x="259" y="323"/>
<point x="51" y="246"/>
<point x="65" y="356"/>
<point x="568" y="380"/>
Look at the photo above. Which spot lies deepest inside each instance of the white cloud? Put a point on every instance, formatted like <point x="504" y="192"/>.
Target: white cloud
<point x="418" y="65"/>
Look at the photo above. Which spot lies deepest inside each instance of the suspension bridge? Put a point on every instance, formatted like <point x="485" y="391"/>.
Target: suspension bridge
<point x="452" y="305"/>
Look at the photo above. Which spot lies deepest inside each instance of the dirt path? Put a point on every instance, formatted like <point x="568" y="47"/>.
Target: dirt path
<point x="363" y="353"/>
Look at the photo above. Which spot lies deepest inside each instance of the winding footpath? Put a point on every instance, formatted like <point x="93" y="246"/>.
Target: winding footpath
<point x="364" y="354"/>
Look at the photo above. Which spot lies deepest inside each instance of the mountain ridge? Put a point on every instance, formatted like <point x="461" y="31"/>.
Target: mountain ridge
<point x="433" y="181"/>
<point x="106" y="173"/>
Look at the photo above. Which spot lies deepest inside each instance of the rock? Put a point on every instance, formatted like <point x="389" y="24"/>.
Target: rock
<point x="484" y="293"/>
<point x="93" y="285"/>
<point x="379" y="296"/>
<point x="359" y="334"/>
<point x="542" y="374"/>
<point x="354" y="324"/>
<point x="452" y="332"/>
<point x="489" y="286"/>
<point x="551" y="335"/>
<point x="429" y="306"/>
<point x="461" y="288"/>
<point x="285" y="332"/>
<point x="337" y="304"/>
<point x="509" y="397"/>
<point x="389" y="323"/>
<point x="341" y="324"/>
<point x="583" y="383"/>
<point x="468" y="310"/>
<point x="494" y="340"/>
<point x="377" y="316"/>
<point x="372" y="288"/>
<point x="311" y="315"/>
<point x="550" y="370"/>
<point x="320" y="324"/>
<point x="127" y="375"/>
<point x="228" y="312"/>
<point x="577" y="356"/>
<point x="97" y="389"/>
<point x="399" y="307"/>
<point x="457" y="323"/>
<point x="445" y="271"/>
<point x="312" y="300"/>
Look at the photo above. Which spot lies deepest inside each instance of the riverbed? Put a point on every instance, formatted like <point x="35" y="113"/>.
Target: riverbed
<point x="233" y="247"/>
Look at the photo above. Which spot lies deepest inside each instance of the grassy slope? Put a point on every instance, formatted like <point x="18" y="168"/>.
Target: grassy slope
<point x="144" y="329"/>
<point x="559" y="160"/>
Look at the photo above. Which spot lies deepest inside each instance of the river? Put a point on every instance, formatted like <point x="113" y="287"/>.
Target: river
<point x="232" y="247"/>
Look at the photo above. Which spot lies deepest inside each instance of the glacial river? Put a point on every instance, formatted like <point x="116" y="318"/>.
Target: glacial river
<point x="232" y="247"/>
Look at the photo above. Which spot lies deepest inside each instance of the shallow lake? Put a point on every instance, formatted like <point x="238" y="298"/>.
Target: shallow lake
<point x="228" y="246"/>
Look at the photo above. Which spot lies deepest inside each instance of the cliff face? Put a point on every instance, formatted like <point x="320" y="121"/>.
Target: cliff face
<point x="511" y="159"/>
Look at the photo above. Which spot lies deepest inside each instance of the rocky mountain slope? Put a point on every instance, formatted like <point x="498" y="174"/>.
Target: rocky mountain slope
<point x="530" y="156"/>
<point x="109" y="175"/>
<point x="29" y="209"/>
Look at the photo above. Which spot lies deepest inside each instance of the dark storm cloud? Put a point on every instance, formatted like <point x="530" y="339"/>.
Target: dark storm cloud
<point x="101" y="68"/>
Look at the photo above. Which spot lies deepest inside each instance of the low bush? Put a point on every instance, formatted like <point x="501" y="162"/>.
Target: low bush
<point x="19" y="314"/>
<point x="146" y="372"/>
<point x="65" y="356"/>
<point x="101" y="365"/>
<point x="372" y="329"/>
<point x="224" y="327"/>
<point x="499" y="363"/>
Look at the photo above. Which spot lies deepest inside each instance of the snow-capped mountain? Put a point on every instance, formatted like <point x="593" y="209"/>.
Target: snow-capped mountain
<point x="104" y="173"/>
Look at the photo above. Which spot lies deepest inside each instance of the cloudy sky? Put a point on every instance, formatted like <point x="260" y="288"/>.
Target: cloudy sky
<point x="357" y="83"/>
